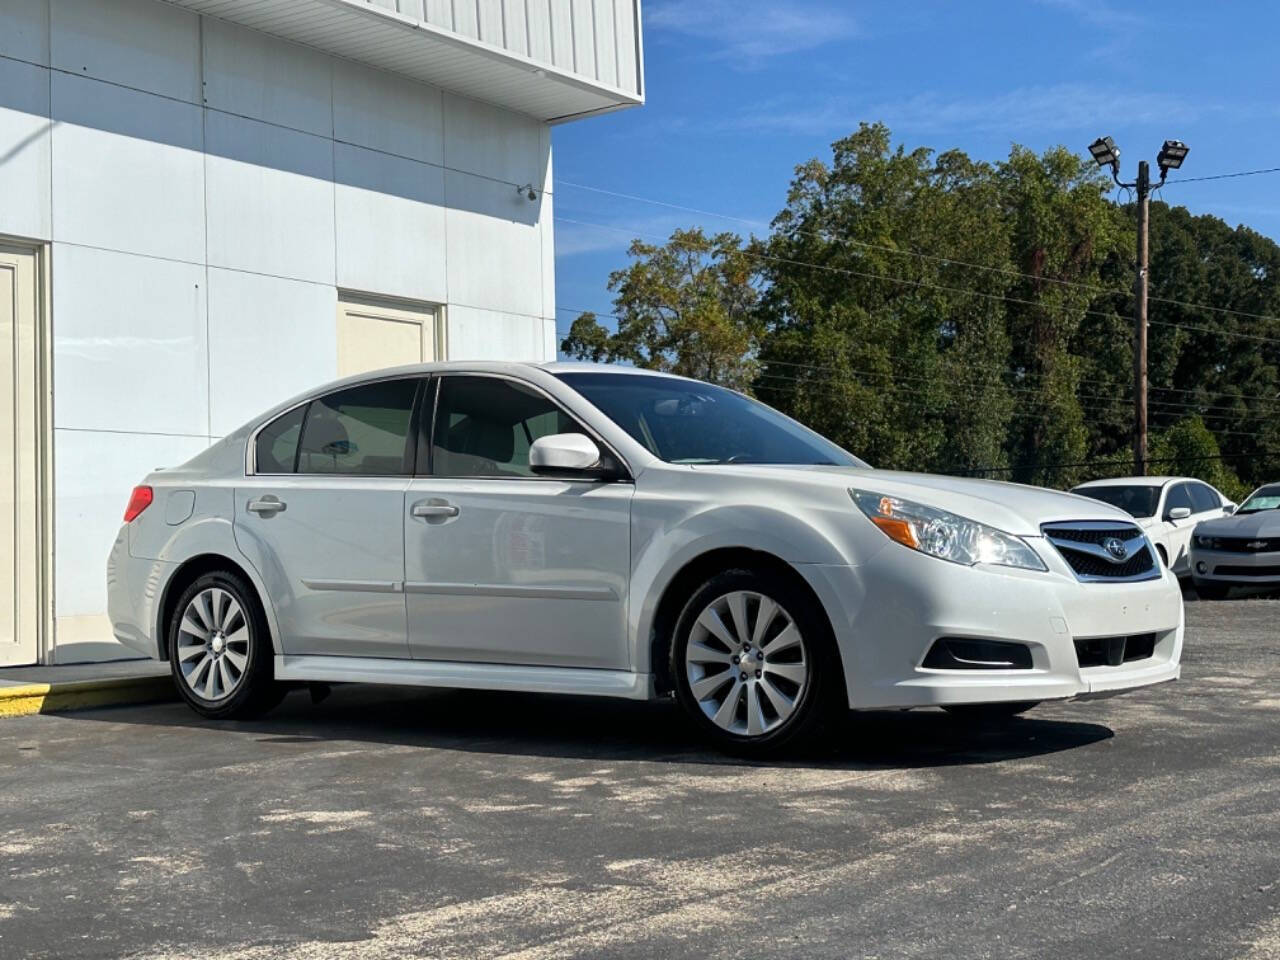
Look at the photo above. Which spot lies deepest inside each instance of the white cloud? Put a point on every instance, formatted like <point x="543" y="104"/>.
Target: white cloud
<point x="1095" y="12"/>
<point x="592" y="233"/>
<point x="1014" y="113"/>
<point x="749" y="31"/>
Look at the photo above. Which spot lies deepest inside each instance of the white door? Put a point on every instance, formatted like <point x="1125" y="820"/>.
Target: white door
<point x="502" y="566"/>
<point x="21" y="440"/>
<point x="375" y="334"/>
<point x="1178" y="532"/>
<point x="320" y="519"/>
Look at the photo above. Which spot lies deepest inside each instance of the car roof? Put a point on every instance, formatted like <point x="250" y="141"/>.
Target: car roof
<point x="1132" y="482"/>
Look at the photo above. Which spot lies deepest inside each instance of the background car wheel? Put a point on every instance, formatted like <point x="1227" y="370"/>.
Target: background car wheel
<point x="1212" y="591"/>
<point x="220" y="649"/>
<point x="990" y="712"/>
<point x="754" y="663"/>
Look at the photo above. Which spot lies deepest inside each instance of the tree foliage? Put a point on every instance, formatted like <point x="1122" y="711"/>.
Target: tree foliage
<point x="928" y="311"/>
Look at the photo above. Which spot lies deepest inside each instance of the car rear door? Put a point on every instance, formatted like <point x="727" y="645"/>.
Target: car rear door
<point x="502" y="566"/>
<point x="319" y="517"/>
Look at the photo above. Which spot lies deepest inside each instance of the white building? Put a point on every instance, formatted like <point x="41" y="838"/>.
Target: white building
<point x="209" y="205"/>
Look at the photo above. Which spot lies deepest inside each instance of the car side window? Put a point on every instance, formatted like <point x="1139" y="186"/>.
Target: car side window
<point x="1179" y="496"/>
<point x="360" y="431"/>
<point x="1204" y="498"/>
<point x="484" y="427"/>
<point x="276" y="449"/>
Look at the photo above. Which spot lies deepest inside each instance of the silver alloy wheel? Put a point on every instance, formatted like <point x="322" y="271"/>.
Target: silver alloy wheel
<point x="746" y="663"/>
<point x="213" y="644"/>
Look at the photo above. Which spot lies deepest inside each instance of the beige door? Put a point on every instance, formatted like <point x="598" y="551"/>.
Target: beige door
<point x="22" y="564"/>
<point x="373" y="334"/>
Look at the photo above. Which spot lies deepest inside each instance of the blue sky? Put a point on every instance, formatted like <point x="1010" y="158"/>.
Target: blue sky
<point x="740" y="91"/>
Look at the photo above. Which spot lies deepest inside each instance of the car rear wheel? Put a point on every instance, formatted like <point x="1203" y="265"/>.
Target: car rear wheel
<point x="220" y="649"/>
<point x="753" y="663"/>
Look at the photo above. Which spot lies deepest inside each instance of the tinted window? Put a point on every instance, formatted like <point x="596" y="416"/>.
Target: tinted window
<point x="1179" y="496"/>
<point x="362" y="431"/>
<point x="484" y="427"/>
<point x="277" y="444"/>
<point x="685" y="421"/>
<point x="1137" y="501"/>
<point x="1203" y="498"/>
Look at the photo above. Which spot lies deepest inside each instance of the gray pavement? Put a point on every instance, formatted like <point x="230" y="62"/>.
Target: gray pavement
<point x="392" y="823"/>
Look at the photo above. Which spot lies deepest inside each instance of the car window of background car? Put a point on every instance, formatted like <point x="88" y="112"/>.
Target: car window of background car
<point x="1204" y="498"/>
<point x="276" y="449"/>
<point x="683" y="421"/>
<point x="362" y="431"/>
<point x="1264" y="498"/>
<point x="485" y="426"/>
<point x="1137" y="501"/>
<point x="1179" y="496"/>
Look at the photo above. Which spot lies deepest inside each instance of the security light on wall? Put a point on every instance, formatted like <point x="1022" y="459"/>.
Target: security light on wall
<point x="1171" y="155"/>
<point x="528" y="192"/>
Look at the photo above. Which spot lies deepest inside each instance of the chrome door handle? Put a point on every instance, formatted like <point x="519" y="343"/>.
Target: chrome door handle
<point x="433" y="510"/>
<point x="267" y="506"/>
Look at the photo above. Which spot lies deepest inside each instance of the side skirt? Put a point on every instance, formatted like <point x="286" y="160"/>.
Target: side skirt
<point x="468" y="676"/>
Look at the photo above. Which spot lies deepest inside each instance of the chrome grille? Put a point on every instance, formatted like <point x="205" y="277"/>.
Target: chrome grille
<point x="1103" y="550"/>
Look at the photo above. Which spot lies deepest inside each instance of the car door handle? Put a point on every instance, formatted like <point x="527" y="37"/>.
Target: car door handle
<point x="266" y="506"/>
<point x="433" y="510"/>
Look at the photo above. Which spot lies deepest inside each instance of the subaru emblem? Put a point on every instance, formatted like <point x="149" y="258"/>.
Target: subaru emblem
<point x="1115" y="549"/>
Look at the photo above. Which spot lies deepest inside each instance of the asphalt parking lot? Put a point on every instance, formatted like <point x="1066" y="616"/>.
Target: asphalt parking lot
<point x="398" y="823"/>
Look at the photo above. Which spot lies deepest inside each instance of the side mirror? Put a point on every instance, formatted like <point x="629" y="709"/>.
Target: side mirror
<point x="1228" y="509"/>
<point x="565" y="454"/>
<point x="1179" y="513"/>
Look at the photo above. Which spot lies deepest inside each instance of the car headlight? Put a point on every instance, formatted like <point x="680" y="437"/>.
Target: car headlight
<point x="1209" y="543"/>
<point x="944" y="535"/>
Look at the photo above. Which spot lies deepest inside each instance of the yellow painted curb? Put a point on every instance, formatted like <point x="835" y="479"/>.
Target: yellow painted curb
<point x="82" y="694"/>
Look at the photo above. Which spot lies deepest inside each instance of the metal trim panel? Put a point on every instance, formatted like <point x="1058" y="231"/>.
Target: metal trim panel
<point x="509" y="590"/>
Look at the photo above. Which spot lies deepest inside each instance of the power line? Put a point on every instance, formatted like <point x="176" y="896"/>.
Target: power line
<point x="924" y="284"/>
<point x="1223" y="176"/>
<point x="942" y="260"/>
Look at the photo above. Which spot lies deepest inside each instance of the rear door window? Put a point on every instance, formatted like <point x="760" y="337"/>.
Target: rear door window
<point x="276" y="449"/>
<point x="360" y="431"/>
<point x="1204" y="498"/>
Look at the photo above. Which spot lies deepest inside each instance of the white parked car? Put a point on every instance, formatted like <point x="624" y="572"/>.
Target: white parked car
<point x="1167" y="509"/>
<point x="601" y="530"/>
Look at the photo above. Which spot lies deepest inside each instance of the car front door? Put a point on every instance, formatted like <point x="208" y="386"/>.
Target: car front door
<point x="502" y="566"/>
<point x="320" y="519"/>
<point x="1178" y="530"/>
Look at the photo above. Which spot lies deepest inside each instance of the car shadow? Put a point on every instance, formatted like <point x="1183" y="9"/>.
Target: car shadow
<point x="604" y="729"/>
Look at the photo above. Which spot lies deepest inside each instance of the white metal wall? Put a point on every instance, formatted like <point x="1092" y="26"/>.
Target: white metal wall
<point x="598" y="39"/>
<point x="203" y="221"/>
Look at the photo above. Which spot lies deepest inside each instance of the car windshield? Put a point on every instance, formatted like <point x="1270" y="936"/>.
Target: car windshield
<point x="1265" y="498"/>
<point x="1138" y="500"/>
<point x="688" y="422"/>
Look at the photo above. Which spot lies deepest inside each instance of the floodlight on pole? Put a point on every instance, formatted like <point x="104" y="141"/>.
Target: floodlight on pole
<point x="1107" y="154"/>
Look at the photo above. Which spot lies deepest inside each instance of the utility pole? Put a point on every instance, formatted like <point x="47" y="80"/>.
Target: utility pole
<point x="1140" y="323"/>
<point x="1107" y="154"/>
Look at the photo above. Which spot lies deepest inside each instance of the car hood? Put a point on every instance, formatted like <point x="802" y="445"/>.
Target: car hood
<point x="1012" y="507"/>
<point x="1264" y="523"/>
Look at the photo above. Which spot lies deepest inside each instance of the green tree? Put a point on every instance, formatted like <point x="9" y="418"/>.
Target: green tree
<point x="687" y="306"/>
<point x="1188" y="449"/>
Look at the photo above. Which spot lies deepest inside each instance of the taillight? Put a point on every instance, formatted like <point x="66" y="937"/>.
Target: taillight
<point x="139" y="500"/>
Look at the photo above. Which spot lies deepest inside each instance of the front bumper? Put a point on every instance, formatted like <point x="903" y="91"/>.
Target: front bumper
<point x="1237" y="569"/>
<point x="888" y="613"/>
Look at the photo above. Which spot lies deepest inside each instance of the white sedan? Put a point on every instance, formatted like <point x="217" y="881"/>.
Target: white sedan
<point x="601" y="530"/>
<point x="1167" y="509"/>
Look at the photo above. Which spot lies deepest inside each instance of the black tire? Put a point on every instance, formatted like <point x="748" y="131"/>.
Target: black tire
<point x="256" y="691"/>
<point x="817" y="701"/>
<point x="1212" y="591"/>
<point x="993" y="713"/>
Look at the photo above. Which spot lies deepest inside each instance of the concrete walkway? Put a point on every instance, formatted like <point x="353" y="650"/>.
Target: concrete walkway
<point x="26" y="690"/>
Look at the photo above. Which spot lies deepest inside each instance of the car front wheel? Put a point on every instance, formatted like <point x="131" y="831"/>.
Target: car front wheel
<point x="753" y="663"/>
<point x="220" y="649"/>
